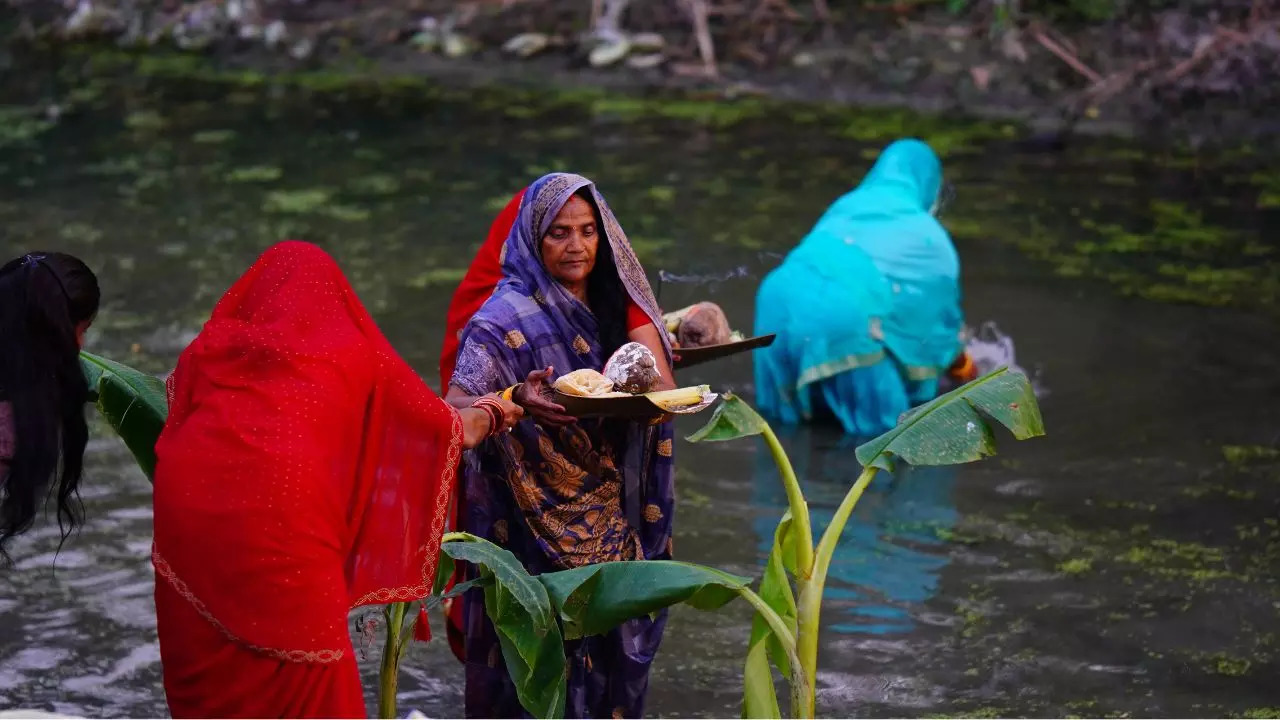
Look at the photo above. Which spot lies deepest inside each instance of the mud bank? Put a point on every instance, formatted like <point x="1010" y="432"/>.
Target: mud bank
<point x="1171" y="79"/>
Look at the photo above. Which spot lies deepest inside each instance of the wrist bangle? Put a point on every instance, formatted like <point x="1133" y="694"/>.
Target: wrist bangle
<point x="493" y="409"/>
<point x="482" y="404"/>
<point x="494" y="419"/>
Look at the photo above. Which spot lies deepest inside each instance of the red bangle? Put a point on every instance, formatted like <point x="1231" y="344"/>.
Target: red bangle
<point x="493" y="419"/>
<point x="493" y="408"/>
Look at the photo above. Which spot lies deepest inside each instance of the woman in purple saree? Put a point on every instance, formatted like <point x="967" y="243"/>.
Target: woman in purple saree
<point x="560" y="493"/>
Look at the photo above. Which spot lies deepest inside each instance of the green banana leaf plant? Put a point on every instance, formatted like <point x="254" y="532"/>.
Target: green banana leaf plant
<point x="533" y="615"/>
<point x="949" y="430"/>
<point x="132" y="402"/>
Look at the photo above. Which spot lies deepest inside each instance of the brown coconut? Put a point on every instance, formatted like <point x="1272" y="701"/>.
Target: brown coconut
<point x="632" y="369"/>
<point x="705" y="324"/>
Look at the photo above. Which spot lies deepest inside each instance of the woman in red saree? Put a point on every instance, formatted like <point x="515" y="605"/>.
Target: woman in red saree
<point x="304" y="470"/>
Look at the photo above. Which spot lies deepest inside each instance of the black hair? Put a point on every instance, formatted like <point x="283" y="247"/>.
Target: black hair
<point x="606" y="294"/>
<point x="43" y="298"/>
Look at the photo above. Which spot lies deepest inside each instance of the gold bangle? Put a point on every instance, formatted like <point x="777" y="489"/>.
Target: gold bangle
<point x="509" y="392"/>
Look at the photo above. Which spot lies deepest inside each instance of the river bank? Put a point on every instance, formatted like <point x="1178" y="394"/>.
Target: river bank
<point x="1171" y="78"/>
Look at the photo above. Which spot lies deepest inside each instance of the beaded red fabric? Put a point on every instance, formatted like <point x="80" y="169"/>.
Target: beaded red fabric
<point x="304" y="469"/>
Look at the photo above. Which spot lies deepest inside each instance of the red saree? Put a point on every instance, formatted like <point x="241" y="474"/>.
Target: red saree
<point x="304" y="470"/>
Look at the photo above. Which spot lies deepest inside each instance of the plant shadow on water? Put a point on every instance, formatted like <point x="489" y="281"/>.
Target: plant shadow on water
<point x="1126" y="565"/>
<point x="885" y="570"/>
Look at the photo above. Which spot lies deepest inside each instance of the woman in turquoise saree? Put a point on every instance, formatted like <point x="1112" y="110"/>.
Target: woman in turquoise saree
<point x="867" y="307"/>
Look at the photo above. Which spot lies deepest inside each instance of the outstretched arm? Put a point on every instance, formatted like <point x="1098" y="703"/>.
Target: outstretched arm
<point x="478" y="423"/>
<point x="533" y="396"/>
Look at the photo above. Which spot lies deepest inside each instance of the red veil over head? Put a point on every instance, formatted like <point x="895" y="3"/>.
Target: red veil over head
<point x="304" y="469"/>
<point x="477" y="285"/>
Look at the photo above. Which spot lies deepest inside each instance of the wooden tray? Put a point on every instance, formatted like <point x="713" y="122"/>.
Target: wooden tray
<point x="698" y="355"/>
<point x="632" y="407"/>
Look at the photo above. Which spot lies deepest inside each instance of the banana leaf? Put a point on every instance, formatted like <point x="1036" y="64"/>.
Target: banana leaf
<point x="594" y="599"/>
<point x="133" y="403"/>
<point x="732" y="420"/>
<point x="953" y="428"/>
<point x="525" y="620"/>
<point x="590" y="600"/>
<point x="759" y="698"/>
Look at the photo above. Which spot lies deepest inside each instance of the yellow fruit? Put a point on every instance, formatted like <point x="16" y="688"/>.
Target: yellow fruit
<point x="671" y="400"/>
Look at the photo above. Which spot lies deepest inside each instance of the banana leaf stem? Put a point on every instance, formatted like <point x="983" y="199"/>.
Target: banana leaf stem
<point x="801" y="529"/>
<point x="389" y="675"/>
<point x="797" y="681"/>
<point x="809" y="605"/>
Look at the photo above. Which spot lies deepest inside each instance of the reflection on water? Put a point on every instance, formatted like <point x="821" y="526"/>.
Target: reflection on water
<point x="1125" y="564"/>
<point x="890" y="556"/>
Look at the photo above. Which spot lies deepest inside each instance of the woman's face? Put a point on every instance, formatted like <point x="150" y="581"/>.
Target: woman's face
<point x="569" y="247"/>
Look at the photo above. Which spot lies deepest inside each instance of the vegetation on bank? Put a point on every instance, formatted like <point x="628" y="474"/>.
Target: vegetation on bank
<point x="1187" y="240"/>
<point x="1194" y="63"/>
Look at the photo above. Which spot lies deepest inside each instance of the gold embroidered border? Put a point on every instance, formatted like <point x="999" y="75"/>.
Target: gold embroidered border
<point x="835" y="367"/>
<point x="164" y="570"/>
<point x="549" y="198"/>
<point x="386" y="595"/>
<point x="431" y="554"/>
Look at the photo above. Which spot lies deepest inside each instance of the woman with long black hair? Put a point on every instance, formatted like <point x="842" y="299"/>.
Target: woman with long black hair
<point x="47" y="302"/>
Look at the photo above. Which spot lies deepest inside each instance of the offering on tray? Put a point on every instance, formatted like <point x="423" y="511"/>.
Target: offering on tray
<point x="700" y="325"/>
<point x="585" y="383"/>
<point x="587" y="393"/>
<point x="632" y="369"/>
<point x="682" y="399"/>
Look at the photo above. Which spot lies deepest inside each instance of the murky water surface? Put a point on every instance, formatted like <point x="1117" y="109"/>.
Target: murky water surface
<point x="1126" y="564"/>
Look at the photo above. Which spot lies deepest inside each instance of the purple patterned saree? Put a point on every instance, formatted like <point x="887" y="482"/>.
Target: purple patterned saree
<point x="597" y="491"/>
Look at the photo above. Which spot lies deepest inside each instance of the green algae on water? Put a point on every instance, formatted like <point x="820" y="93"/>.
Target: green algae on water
<point x="254" y="174"/>
<point x="296" y="202"/>
<point x="213" y="137"/>
<point x="1244" y="454"/>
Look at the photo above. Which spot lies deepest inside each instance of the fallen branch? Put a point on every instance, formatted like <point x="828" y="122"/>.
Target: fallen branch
<point x="1071" y="60"/>
<point x="783" y="7"/>
<point x="1115" y="83"/>
<point x="1224" y="39"/>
